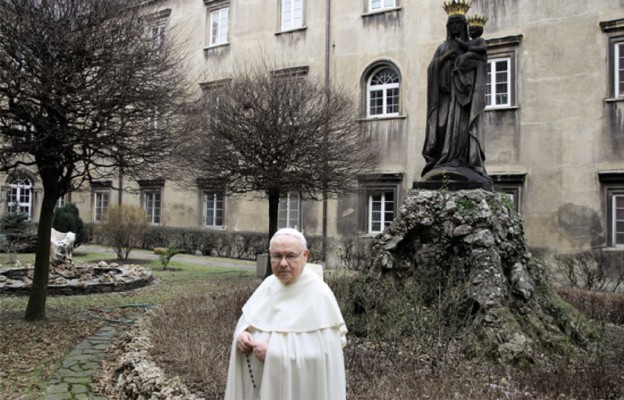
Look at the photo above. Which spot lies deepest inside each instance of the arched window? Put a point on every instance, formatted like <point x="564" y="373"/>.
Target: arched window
<point x="20" y="196"/>
<point x="382" y="94"/>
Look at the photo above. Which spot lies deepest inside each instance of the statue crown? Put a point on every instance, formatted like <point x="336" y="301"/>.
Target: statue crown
<point x="477" y="20"/>
<point x="456" y="7"/>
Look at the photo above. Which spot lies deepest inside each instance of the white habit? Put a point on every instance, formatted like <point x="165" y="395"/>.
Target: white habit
<point x="305" y="332"/>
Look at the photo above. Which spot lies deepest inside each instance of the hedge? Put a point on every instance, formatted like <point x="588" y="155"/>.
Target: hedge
<point x="241" y="245"/>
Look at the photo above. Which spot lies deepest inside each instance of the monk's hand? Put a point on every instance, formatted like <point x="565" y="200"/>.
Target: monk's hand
<point x="260" y="350"/>
<point x="245" y="342"/>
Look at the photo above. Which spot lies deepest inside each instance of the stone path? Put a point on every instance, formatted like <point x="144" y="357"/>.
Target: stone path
<point x="74" y="380"/>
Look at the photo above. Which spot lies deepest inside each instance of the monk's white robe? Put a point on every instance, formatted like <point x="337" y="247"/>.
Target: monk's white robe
<point x="305" y="332"/>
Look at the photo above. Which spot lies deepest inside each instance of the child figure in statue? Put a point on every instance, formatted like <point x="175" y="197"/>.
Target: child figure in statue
<point x="475" y="47"/>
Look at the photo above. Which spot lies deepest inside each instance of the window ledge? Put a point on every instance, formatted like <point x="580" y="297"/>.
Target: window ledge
<point x="614" y="99"/>
<point x="369" y="234"/>
<point x="291" y="30"/>
<point x="216" y="46"/>
<point x="215" y="228"/>
<point x="381" y="11"/>
<point x="381" y="118"/>
<point x="504" y="108"/>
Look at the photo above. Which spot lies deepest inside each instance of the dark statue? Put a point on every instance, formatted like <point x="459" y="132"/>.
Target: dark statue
<point x="455" y="103"/>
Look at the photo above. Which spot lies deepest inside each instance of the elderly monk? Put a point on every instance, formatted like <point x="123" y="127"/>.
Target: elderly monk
<point x="288" y="342"/>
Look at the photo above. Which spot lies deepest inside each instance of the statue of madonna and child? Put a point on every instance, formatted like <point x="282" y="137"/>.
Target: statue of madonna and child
<point x="456" y="84"/>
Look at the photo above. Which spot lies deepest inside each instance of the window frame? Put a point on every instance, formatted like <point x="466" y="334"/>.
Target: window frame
<point x="295" y="22"/>
<point x="383" y="222"/>
<point x="154" y="123"/>
<point x="215" y="200"/>
<point x="613" y="220"/>
<point x="611" y="186"/>
<point x="511" y="183"/>
<point x="369" y="185"/>
<point x="384" y="88"/>
<point x="505" y="49"/>
<point x="153" y="211"/>
<point x="614" y="30"/>
<point x="18" y="189"/>
<point x="618" y="85"/>
<point x="98" y="217"/>
<point x="158" y="38"/>
<point x="382" y="6"/>
<point x="216" y="40"/>
<point x="492" y="81"/>
<point x="291" y="197"/>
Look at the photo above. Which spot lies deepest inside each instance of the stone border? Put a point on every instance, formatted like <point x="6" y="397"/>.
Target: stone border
<point x="130" y="372"/>
<point x="97" y="278"/>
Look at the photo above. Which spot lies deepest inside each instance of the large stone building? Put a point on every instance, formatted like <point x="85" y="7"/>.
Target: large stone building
<point x="553" y="129"/>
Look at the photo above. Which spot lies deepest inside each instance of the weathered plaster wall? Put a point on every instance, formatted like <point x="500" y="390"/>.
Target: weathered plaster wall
<point x="561" y="133"/>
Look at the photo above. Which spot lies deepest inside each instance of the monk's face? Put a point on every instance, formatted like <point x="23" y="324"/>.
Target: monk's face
<point x="288" y="257"/>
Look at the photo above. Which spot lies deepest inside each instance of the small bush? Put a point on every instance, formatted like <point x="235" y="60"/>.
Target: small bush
<point x="599" y="306"/>
<point x="241" y="245"/>
<point x="596" y="270"/>
<point x="123" y="228"/>
<point x="67" y="218"/>
<point x="16" y="234"/>
<point x="355" y="253"/>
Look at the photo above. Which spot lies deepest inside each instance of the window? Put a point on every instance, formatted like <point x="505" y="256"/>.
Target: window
<point x="292" y="14"/>
<point x="213" y="206"/>
<point x="510" y="183"/>
<point x="153" y="122"/>
<point x="20" y="196"/>
<point x="498" y="83"/>
<point x="374" y="5"/>
<point x="380" y="211"/>
<point x="60" y="202"/>
<point x="618" y="69"/>
<point x="379" y="200"/>
<point x="383" y="92"/>
<point x="612" y="186"/>
<point x="152" y="205"/>
<point x="614" y="30"/>
<point x="219" y="26"/>
<point x="289" y="211"/>
<point x="617" y="222"/>
<point x="158" y="37"/>
<point x="101" y="200"/>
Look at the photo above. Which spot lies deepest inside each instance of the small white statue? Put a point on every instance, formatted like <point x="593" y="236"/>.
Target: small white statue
<point x="61" y="246"/>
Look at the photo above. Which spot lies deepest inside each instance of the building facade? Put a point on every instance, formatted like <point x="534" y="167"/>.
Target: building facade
<point x="553" y="129"/>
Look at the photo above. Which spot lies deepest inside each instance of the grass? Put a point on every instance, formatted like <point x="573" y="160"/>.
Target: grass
<point x="31" y="352"/>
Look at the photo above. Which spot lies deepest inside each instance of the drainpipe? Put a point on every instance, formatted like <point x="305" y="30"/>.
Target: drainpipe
<point x="327" y="53"/>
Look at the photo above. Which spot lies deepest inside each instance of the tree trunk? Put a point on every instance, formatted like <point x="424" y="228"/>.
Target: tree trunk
<point x="36" y="308"/>
<point x="274" y="196"/>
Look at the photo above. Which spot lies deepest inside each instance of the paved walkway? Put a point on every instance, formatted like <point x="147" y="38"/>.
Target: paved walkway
<point x="74" y="380"/>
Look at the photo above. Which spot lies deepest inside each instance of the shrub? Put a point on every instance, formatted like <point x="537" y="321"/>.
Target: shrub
<point x="598" y="306"/>
<point x="123" y="228"/>
<point x="355" y="253"/>
<point x="16" y="234"/>
<point x="593" y="269"/>
<point x="165" y="254"/>
<point x="67" y="218"/>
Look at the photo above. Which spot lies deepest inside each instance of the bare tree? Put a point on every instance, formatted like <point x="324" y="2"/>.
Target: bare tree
<point x="85" y="92"/>
<point x="274" y="133"/>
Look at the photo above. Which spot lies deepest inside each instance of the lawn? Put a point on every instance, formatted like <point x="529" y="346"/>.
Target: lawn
<point x="31" y="352"/>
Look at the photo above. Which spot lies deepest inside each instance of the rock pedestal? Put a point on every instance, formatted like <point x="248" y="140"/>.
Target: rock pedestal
<point x="468" y="247"/>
